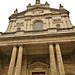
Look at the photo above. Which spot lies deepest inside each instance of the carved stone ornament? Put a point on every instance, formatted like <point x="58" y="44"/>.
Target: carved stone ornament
<point x="37" y="12"/>
<point x="20" y="24"/>
<point x="57" y="21"/>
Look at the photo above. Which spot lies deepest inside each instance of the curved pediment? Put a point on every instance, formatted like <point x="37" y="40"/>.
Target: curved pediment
<point x="37" y="11"/>
<point x="38" y="65"/>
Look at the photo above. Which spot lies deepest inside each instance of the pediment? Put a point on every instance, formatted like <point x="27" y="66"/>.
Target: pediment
<point x="22" y="15"/>
<point x="38" y="65"/>
<point x="38" y="11"/>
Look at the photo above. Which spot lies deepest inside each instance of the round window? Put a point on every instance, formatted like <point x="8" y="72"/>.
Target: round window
<point x="58" y="25"/>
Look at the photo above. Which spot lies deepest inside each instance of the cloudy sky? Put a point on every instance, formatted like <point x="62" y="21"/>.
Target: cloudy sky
<point x="7" y="8"/>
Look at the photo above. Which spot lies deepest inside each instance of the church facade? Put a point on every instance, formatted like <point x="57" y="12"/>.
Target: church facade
<point x="38" y="41"/>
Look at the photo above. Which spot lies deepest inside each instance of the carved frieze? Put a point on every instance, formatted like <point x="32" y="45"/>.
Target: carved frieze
<point x="37" y="12"/>
<point x="19" y="24"/>
<point x="57" y="21"/>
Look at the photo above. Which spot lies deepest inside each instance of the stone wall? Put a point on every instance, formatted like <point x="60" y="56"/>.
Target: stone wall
<point x="69" y="69"/>
<point x="27" y="24"/>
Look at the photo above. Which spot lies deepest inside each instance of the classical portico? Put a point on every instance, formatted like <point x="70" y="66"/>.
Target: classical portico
<point x="16" y="69"/>
<point x="38" y="41"/>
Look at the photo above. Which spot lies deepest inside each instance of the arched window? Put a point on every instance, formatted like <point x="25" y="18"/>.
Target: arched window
<point x="38" y="25"/>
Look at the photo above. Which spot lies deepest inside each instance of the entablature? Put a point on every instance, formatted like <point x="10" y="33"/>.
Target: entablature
<point x="49" y="31"/>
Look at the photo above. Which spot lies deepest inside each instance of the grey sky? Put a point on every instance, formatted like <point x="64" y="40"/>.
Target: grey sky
<point x="7" y="8"/>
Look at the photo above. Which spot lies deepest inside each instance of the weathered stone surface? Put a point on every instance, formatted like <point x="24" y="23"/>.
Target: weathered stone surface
<point x="52" y="60"/>
<point x="19" y="61"/>
<point x="59" y="60"/>
<point x="12" y="61"/>
<point x="32" y="53"/>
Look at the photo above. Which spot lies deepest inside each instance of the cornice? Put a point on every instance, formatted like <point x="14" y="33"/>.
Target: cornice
<point x="13" y="17"/>
<point x="23" y="12"/>
<point x="38" y="36"/>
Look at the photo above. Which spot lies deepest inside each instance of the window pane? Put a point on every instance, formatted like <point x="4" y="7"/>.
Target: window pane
<point x="38" y="26"/>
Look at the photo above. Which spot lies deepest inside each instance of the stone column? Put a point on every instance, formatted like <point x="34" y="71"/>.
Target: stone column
<point x="12" y="61"/>
<point x="52" y="60"/>
<point x="19" y="61"/>
<point x="59" y="60"/>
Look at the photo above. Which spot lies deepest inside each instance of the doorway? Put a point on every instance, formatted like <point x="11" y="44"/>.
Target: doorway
<point x="38" y="73"/>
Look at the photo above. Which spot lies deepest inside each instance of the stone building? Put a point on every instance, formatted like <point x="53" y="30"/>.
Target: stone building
<point x="38" y="41"/>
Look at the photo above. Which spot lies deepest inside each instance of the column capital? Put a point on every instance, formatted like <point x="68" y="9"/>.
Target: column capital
<point x="20" y="45"/>
<point x="57" y="42"/>
<point x="53" y="43"/>
<point x="15" y="45"/>
<point x="49" y="43"/>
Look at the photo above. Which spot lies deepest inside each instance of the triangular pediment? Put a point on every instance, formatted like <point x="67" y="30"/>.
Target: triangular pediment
<point x="46" y="8"/>
<point x="38" y="65"/>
